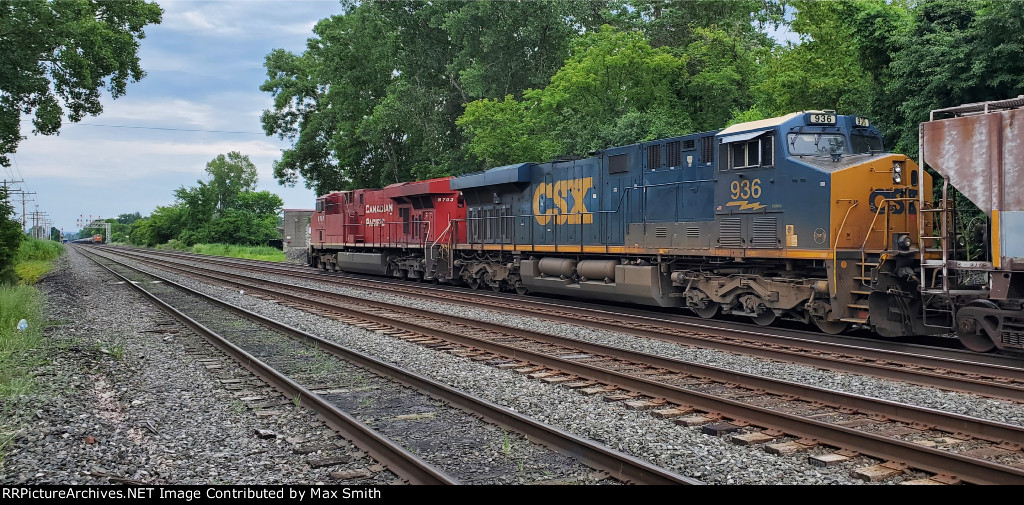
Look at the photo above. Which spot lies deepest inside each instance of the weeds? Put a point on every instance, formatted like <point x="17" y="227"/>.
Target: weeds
<point x="262" y="253"/>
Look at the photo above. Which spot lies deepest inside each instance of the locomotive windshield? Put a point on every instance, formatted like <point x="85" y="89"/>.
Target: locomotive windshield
<point x="866" y="143"/>
<point x="825" y="144"/>
<point x="820" y="144"/>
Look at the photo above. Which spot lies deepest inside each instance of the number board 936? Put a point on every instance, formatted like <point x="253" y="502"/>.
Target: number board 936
<point x="822" y="119"/>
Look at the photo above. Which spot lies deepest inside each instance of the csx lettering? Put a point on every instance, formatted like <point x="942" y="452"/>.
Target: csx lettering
<point x="566" y="200"/>
<point x="894" y="206"/>
<point x="379" y="208"/>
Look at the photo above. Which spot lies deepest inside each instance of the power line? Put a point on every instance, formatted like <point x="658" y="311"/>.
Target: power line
<point x="165" y="128"/>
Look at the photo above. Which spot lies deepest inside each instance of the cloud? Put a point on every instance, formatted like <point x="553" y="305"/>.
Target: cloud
<point x="168" y="113"/>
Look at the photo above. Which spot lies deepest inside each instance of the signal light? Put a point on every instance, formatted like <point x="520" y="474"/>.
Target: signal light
<point x="897" y="172"/>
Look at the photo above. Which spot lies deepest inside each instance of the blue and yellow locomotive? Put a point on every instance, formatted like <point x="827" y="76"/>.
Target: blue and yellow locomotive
<point x="802" y="217"/>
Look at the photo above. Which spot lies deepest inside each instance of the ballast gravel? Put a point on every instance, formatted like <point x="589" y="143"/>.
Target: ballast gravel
<point x="87" y="392"/>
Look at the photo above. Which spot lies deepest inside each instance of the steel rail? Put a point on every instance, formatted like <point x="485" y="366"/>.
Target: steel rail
<point x="924" y="458"/>
<point x="400" y="461"/>
<point x="931" y="371"/>
<point x="620" y="465"/>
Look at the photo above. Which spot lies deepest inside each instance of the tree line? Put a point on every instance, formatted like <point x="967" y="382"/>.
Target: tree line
<point x="225" y="208"/>
<point x="391" y="91"/>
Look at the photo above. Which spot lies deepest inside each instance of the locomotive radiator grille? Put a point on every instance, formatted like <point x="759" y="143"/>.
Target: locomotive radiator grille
<point x="765" y="232"/>
<point x="730" y="232"/>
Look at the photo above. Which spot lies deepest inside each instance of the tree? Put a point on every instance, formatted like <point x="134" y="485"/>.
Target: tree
<point x="614" y="88"/>
<point x="375" y="97"/>
<point x="957" y="52"/>
<point x="10" y="238"/>
<point x="58" y="55"/>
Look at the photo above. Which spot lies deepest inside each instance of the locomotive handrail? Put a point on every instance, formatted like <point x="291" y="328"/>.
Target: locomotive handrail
<point x="835" y="246"/>
<point x="885" y="237"/>
<point x="439" y="237"/>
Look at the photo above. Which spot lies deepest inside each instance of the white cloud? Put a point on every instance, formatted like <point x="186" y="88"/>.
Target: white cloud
<point x="166" y="113"/>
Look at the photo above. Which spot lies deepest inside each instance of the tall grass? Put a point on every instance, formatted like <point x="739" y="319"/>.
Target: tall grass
<point x="35" y="258"/>
<point x="17" y="303"/>
<point x="264" y="253"/>
<point x="18" y="348"/>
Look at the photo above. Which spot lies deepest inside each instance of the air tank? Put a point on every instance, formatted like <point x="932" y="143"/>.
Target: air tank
<point x="597" y="270"/>
<point x="560" y="267"/>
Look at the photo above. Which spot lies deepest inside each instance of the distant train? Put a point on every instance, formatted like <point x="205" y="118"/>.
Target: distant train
<point x="802" y="217"/>
<point x="95" y="239"/>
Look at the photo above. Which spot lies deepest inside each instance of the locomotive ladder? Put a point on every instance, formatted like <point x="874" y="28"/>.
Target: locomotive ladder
<point x="930" y="268"/>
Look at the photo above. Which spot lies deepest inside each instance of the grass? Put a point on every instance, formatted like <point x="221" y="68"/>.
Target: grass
<point x="263" y="253"/>
<point x="18" y="348"/>
<point x="17" y="303"/>
<point x="35" y="259"/>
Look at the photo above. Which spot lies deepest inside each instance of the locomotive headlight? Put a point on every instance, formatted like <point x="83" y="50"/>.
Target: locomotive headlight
<point x="897" y="172"/>
<point x="903" y="242"/>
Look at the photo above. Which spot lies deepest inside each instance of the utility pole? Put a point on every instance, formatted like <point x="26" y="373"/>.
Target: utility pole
<point x="24" y="200"/>
<point x="5" y="182"/>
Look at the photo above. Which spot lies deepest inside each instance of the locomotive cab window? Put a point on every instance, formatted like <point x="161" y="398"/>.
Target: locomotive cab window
<point x="752" y="153"/>
<point x="319" y="205"/>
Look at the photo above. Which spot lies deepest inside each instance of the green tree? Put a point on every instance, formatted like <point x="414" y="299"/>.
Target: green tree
<point x="375" y="97"/>
<point x="614" y="88"/>
<point x="841" y="62"/>
<point x="10" y="238"/>
<point x="957" y="52"/>
<point x="58" y="55"/>
<point x="230" y="176"/>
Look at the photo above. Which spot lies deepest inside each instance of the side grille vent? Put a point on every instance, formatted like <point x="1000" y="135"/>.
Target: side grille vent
<point x="692" y="232"/>
<point x="731" y="232"/>
<point x="765" y="232"/>
<point x="660" y="231"/>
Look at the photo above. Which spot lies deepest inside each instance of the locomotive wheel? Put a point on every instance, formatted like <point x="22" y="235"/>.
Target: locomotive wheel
<point x="765" y="318"/>
<point x="830" y="327"/>
<point x="980" y="341"/>
<point x="709" y="310"/>
<point x="521" y="289"/>
<point x="403" y="275"/>
<point x="473" y="283"/>
<point x="495" y="287"/>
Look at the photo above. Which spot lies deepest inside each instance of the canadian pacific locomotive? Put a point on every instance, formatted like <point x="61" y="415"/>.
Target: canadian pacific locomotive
<point x="802" y="217"/>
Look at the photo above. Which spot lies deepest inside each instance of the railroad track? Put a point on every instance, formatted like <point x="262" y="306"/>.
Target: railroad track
<point x="333" y="380"/>
<point x="991" y="376"/>
<point x="948" y="446"/>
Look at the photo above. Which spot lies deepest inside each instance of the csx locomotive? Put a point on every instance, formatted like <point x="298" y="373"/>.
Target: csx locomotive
<point x="802" y="217"/>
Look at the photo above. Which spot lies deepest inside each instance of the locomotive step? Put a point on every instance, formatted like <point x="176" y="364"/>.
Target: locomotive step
<point x="857" y="306"/>
<point x="865" y="293"/>
<point x="862" y="278"/>
<point x="855" y="320"/>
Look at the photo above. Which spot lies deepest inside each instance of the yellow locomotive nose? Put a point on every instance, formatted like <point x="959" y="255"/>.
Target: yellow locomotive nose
<point x="875" y="204"/>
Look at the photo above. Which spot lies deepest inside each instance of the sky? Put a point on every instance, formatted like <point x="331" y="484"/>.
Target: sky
<point x="204" y="66"/>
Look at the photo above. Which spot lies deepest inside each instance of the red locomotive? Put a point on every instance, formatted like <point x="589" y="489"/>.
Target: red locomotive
<point x="404" y="230"/>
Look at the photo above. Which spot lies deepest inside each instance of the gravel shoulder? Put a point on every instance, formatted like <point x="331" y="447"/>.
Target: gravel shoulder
<point x="125" y="398"/>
